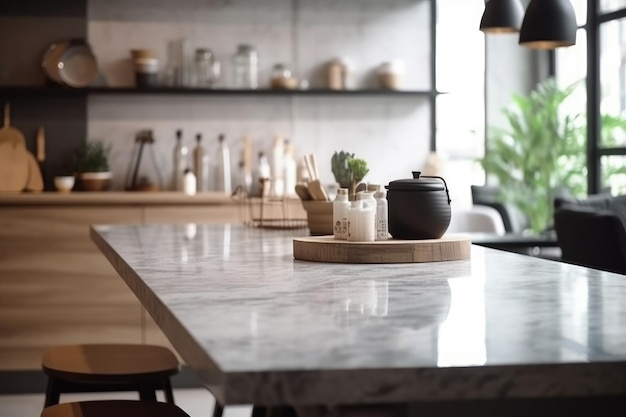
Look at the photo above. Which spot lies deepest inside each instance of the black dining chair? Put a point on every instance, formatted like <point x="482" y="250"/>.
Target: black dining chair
<point x="591" y="237"/>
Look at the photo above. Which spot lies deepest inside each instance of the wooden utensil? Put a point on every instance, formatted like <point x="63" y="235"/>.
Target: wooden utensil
<point x="8" y="133"/>
<point x="41" y="145"/>
<point x="35" y="181"/>
<point x="303" y="192"/>
<point x="315" y="187"/>
<point x="14" y="169"/>
<point x="41" y="150"/>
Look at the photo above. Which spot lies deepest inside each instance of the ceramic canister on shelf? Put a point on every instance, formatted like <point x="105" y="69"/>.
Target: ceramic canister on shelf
<point x="339" y="74"/>
<point x="146" y="66"/>
<point x="391" y="74"/>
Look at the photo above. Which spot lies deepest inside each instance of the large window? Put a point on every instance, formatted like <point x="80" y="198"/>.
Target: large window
<point x="612" y="5"/>
<point x="612" y="67"/>
<point x="461" y="107"/>
<point x="602" y="38"/>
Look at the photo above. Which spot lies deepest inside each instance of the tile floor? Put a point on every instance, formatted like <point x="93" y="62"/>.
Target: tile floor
<point x="195" y="402"/>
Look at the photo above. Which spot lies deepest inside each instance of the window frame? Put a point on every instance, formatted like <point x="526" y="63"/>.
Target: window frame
<point x="595" y="150"/>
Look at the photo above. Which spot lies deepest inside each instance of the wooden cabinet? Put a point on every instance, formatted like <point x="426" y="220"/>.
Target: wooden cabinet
<point x="57" y="288"/>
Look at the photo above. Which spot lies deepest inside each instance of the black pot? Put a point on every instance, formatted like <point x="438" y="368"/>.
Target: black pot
<point x="419" y="207"/>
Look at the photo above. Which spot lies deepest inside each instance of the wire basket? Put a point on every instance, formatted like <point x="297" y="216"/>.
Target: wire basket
<point x="280" y="213"/>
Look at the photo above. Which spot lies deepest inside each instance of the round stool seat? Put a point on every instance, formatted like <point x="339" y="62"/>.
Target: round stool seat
<point x="109" y="367"/>
<point x="113" y="408"/>
<point x="109" y="362"/>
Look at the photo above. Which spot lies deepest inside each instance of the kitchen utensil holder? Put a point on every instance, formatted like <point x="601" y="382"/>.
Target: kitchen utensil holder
<point x="280" y="213"/>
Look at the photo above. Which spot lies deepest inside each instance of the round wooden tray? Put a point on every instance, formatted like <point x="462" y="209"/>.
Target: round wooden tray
<point x="328" y="249"/>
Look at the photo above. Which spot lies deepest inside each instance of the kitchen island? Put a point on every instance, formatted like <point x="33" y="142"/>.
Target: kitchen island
<point x="262" y="328"/>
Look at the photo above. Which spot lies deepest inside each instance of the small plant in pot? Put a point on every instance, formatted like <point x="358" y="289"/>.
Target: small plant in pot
<point x="348" y="171"/>
<point x="92" y="166"/>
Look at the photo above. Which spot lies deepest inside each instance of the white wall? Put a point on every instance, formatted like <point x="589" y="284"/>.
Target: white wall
<point x="391" y="133"/>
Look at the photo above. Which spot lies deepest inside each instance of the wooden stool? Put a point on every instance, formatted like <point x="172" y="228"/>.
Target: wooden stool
<point x="109" y="367"/>
<point x="113" y="408"/>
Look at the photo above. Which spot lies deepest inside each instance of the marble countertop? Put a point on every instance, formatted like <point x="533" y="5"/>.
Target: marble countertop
<point x="263" y="328"/>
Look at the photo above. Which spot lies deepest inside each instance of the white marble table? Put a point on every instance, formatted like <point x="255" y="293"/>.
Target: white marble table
<point x="263" y="328"/>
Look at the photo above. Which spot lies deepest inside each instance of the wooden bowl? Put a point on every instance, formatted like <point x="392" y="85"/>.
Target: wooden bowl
<point x="95" y="181"/>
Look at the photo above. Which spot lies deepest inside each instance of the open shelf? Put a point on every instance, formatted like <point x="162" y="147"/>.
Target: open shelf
<point x="54" y="91"/>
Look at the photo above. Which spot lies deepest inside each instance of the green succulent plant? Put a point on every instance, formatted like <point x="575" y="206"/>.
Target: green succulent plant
<point x="340" y="168"/>
<point x="92" y="156"/>
<point x="348" y="170"/>
<point x="358" y="169"/>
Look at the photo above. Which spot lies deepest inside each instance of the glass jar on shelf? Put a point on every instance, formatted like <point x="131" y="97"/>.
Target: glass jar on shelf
<point x="206" y="68"/>
<point x="246" y="67"/>
<point x="177" y="63"/>
<point x="282" y="78"/>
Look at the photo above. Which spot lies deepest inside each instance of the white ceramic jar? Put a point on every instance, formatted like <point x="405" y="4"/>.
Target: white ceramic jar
<point x="367" y="222"/>
<point x="391" y="74"/>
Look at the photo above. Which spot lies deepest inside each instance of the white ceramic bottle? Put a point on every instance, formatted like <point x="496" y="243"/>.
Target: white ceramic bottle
<point x="368" y="199"/>
<point x="353" y="218"/>
<point x="340" y="214"/>
<point x="382" y="214"/>
<point x="367" y="222"/>
<point x="189" y="182"/>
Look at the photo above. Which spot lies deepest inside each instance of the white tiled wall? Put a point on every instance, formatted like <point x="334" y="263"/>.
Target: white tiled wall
<point x="391" y="133"/>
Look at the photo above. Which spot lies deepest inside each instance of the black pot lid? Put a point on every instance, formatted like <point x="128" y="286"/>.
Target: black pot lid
<point x="418" y="183"/>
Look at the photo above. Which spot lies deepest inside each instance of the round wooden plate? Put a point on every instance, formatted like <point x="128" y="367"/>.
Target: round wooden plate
<point x="328" y="249"/>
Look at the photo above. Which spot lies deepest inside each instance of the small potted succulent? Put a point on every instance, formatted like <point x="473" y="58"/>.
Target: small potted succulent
<point x="92" y="166"/>
<point x="348" y="171"/>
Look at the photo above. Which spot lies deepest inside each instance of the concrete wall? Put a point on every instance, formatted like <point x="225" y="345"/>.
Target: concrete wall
<point x="391" y="133"/>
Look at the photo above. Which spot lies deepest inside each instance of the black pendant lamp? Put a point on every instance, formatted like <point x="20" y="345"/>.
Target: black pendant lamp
<point x="502" y="16"/>
<point x="548" y="24"/>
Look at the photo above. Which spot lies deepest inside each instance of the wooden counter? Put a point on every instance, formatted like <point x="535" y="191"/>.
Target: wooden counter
<point x="57" y="288"/>
<point x="114" y="198"/>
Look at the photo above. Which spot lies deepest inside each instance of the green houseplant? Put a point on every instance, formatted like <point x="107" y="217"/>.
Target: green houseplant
<point x="91" y="164"/>
<point x="348" y="170"/>
<point x="542" y="151"/>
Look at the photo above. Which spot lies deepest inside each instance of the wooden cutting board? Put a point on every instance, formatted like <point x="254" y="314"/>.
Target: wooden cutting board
<point x="328" y="249"/>
<point x="14" y="169"/>
<point x="8" y="133"/>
